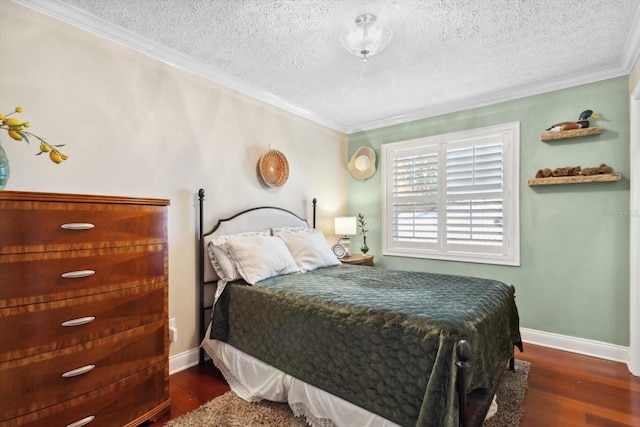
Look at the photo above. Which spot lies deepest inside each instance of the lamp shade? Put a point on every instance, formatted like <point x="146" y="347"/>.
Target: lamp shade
<point x="345" y="225"/>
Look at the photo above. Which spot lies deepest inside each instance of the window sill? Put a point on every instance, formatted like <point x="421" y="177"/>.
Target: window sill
<point x="512" y="261"/>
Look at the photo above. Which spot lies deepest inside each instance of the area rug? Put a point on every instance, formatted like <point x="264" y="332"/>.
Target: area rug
<point x="229" y="410"/>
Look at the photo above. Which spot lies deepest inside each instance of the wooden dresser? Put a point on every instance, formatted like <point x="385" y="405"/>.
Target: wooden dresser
<point x="83" y="310"/>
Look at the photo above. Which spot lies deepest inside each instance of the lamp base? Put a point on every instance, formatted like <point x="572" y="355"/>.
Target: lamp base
<point x="344" y="241"/>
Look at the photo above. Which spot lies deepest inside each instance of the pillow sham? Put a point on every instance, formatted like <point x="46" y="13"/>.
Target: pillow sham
<point x="308" y="247"/>
<point x="276" y="231"/>
<point x="260" y="257"/>
<point x="220" y="255"/>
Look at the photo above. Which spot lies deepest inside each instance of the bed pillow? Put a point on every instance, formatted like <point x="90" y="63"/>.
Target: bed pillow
<point x="308" y="247"/>
<point x="220" y="256"/>
<point x="276" y="231"/>
<point x="260" y="257"/>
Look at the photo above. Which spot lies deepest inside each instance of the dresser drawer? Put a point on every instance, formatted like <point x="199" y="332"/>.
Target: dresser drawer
<point x="32" y="329"/>
<point x="46" y="379"/>
<point x="40" y="277"/>
<point x="58" y="226"/>
<point x="113" y="405"/>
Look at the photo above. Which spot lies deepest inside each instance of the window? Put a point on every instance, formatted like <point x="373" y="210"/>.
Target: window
<point x="453" y="196"/>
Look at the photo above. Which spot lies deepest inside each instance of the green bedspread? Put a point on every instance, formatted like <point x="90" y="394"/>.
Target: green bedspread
<point x="382" y="339"/>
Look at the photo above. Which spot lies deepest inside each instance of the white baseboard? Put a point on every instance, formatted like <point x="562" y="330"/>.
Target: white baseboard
<point x="601" y="350"/>
<point x="182" y="361"/>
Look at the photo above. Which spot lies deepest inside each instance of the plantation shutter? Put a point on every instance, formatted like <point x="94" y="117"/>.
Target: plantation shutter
<point x="453" y="196"/>
<point x="415" y="198"/>
<point x="474" y="196"/>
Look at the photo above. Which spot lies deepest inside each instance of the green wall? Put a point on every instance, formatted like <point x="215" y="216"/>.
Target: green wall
<point x="574" y="239"/>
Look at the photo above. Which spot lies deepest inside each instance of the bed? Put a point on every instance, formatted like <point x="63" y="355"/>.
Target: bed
<point x="347" y="345"/>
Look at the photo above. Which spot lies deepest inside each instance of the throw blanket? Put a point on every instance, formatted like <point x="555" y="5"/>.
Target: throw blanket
<point x="382" y="339"/>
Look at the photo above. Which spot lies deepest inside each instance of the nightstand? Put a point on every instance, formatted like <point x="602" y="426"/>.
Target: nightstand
<point x="358" y="259"/>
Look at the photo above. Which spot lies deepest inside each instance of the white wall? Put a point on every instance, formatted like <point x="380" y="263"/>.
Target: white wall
<point x="134" y="126"/>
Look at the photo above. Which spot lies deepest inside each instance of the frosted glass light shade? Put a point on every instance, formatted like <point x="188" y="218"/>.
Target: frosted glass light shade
<point x="345" y="225"/>
<point x="366" y="37"/>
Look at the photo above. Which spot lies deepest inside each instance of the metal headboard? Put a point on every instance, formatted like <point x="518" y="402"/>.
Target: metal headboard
<point x="242" y="221"/>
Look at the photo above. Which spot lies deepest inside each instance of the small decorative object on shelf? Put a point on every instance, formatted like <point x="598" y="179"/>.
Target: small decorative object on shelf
<point x="581" y="127"/>
<point x="574" y="171"/>
<point x="583" y="122"/>
<point x="363" y="230"/>
<point x="575" y="175"/>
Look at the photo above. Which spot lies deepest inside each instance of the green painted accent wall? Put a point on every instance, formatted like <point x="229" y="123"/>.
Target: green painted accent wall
<point x="574" y="239"/>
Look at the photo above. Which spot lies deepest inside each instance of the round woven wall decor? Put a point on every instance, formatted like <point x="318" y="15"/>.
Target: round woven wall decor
<point x="273" y="168"/>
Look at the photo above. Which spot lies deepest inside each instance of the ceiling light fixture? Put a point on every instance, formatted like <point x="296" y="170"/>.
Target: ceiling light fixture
<point x="367" y="37"/>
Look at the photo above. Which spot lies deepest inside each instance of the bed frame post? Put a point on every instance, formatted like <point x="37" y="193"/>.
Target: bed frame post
<point x="200" y="314"/>
<point x="512" y="361"/>
<point x="315" y="203"/>
<point x="463" y="351"/>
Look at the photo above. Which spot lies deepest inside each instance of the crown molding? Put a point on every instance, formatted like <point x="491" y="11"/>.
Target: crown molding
<point x="79" y="19"/>
<point x="496" y="98"/>
<point x="91" y="24"/>
<point x="631" y="51"/>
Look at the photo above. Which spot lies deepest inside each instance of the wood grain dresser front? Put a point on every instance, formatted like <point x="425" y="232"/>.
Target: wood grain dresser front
<point x="83" y="310"/>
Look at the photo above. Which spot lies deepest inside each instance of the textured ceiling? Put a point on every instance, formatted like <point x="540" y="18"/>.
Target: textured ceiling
<point x="445" y="55"/>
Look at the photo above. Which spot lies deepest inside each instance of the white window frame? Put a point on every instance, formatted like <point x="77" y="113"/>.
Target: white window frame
<point x="508" y="253"/>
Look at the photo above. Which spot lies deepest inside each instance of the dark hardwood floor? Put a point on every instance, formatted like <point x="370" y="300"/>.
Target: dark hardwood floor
<point x="565" y="390"/>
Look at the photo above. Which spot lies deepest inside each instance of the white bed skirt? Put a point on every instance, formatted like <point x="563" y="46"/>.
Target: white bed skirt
<point x="254" y="380"/>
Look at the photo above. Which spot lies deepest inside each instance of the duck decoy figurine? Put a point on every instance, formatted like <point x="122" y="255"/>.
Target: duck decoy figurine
<point x="583" y="122"/>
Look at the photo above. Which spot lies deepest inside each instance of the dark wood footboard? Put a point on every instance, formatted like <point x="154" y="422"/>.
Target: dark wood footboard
<point x="475" y="405"/>
<point x="477" y="402"/>
<point x="463" y="352"/>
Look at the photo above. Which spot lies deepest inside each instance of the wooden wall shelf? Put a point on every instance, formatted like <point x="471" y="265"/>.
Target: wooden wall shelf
<point x="607" y="177"/>
<point x="574" y="133"/>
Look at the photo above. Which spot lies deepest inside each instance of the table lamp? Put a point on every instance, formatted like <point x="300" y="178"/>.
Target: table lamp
<point x="345" y="226"/>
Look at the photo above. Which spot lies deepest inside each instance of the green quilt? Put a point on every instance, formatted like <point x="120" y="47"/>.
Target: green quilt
<point x="382" y="339"/>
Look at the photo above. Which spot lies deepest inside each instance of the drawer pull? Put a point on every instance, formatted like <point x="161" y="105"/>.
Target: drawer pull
<point x="77" y="226"/>
<point x="82" y="422"/>
<point x="79" y="371"/>
<point x="79" y="321"/>
<point x="78" y="274"/>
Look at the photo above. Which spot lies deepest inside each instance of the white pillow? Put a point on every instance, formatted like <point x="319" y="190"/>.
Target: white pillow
<point x="276" y="231"/>
<point x="308" y="247"/>
<point x="260" y="257"/>
<point x="220" y="256"/>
